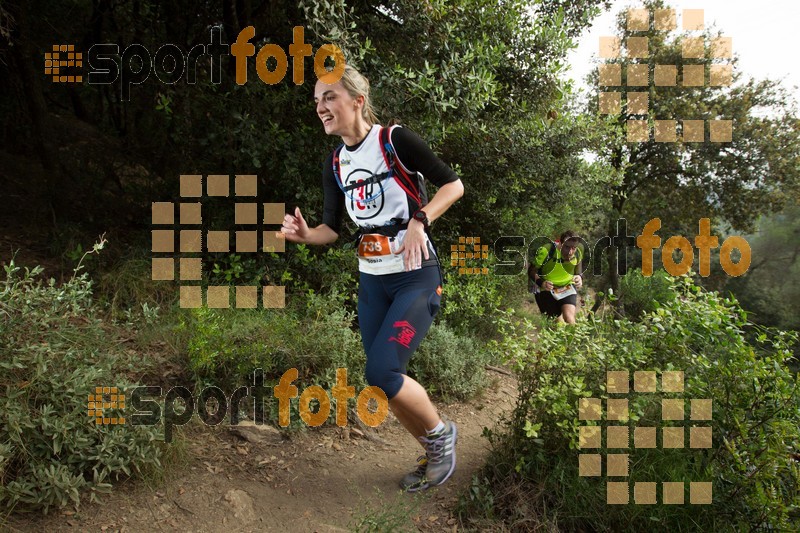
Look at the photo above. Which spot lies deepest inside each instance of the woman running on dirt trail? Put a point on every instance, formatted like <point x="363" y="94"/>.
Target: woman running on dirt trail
<point x="377" y="176"/>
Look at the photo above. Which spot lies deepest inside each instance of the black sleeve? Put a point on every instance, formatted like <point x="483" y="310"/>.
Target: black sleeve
<point x="416" y="156"/>
<point x="333" y="203"/>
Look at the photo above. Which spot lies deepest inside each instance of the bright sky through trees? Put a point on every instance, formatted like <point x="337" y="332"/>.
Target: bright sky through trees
<point x="764" y="37"/>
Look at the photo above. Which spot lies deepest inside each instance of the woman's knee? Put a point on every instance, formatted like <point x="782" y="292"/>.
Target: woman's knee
<point x="389" y="381"/>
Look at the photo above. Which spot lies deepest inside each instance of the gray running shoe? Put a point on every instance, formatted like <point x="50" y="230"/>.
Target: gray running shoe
<point x="441" y="452"/>
<point x="414" y="481"/>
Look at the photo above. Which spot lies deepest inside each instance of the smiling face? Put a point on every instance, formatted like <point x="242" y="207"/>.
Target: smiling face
<point x="339" y="112"/>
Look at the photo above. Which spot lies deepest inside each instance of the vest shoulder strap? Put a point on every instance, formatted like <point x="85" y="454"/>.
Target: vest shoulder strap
<point x="404" y="180"/>
<point x="409" y="184"/>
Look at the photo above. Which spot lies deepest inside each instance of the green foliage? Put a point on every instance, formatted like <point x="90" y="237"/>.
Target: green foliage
<point x="378" y="515"/>
<point x="312" y="336"/>
<point x="639" y="294"/>
<point x="681" y="182"/>
<point x="327" y="269"/>
<point x="449" y="365"/>
<point x="478" y="56"/>
<point x="539" y="183"/>
<point x="471" y="303"/>
<point x="478" y="501"/>
<point x="301" y="269"/>
<point x="315" y="334"/>
<point x="755" y="419"/>
<point x="55" y="351"/>
<point x="128" y="285"/>
<point x="770" y="290"/>
<point x="315" y="337"/>
<point x="230" y="269"/>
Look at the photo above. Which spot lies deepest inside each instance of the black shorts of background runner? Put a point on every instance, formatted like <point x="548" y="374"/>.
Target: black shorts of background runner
<point x="551" y="307"/>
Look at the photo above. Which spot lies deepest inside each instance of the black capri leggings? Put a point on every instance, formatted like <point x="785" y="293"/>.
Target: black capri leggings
<point x="395" y="312"/>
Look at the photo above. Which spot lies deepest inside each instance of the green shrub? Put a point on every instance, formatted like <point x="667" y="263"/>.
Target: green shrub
<point x="128" y="286"/>
<point x="639" y="294"/>
<point x="313" y="334"/>
<point x="54" y="351"/>
<point x="472" y="303"/>
<point x="302" y="269"/>
<point x="754" y="427"/>
<point x="449" y="365"/>
<point x="380" y="514"/>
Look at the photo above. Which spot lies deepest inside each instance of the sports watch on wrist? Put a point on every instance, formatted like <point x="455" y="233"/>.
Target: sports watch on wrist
<point x="420" y="216"/>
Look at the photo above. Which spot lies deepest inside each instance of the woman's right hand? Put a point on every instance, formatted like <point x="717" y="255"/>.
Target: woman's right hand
<point x="547" y="285"/>
<point x="295" y="227"/>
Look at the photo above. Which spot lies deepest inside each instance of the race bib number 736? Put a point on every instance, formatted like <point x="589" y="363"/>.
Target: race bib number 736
<point x="373" y="245"/>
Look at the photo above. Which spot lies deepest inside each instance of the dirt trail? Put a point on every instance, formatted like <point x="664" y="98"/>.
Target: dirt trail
<point x="322" y="480"/>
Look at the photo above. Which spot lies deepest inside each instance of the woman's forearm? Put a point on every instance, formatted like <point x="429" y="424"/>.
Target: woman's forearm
<point x="446" y="196"/>
<point x="322" y="234"/>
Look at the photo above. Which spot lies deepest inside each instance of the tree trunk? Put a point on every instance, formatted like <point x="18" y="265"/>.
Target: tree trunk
<point x="617" y="202"/>
<point x="611" y="258"/>
<point x="26" y="58"/>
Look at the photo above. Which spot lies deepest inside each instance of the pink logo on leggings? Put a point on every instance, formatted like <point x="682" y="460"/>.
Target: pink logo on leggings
<point x="406" y="334"/>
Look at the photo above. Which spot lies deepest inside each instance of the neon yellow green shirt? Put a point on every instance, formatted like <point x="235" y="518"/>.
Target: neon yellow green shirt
<point x="554" y="271"/>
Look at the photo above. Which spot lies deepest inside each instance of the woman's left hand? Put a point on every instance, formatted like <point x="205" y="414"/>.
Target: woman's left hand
<point x="578" y="281"/>
<point x="414" y="246"/>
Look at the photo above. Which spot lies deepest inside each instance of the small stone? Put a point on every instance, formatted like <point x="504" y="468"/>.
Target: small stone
<point x="242" y="504"/>
<point x="256" y="433"/>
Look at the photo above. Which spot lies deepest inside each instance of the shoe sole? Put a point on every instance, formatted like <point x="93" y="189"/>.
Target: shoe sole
<point x="414" y="488"/>
<point x="452" y="466"/>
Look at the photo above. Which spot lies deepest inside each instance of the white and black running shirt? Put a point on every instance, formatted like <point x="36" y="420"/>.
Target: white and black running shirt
<point x="383" y="203"/>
